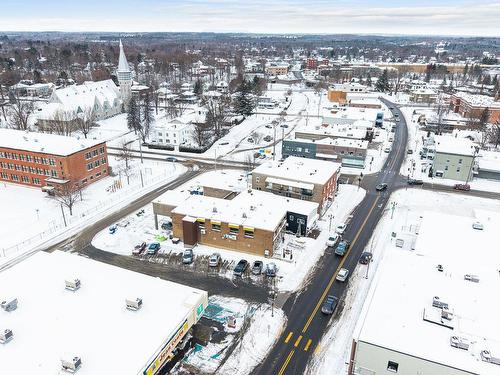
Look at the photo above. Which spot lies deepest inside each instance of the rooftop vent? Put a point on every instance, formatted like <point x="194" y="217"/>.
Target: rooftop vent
<point x="6" y="336"/>
<point x="440" y="268"/>
<point x="252" y="208"/>
<point x="436" y="302"/>
<point x="214" y="209"/>
<point x="446" y="314"/>
<point x="487" y="356"/>
<point x="73" y="284"/>
<point x="473" y="278"/>
<point x="244" y="215"/>
<point x="72" y="365"/>
<point x="459" y="342"/>
<point x="133" y="304"/>
<point x="9" y="305"/>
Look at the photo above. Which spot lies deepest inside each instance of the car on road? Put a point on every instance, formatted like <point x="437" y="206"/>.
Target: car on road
<point x="329" y="305"/>
<point x="214" y="260"/>
<point x="464" y="187"/>
<point x="387" y="150"/>
<point x="271" y="270"/>
<point x="257" y="267"/>
<point x="342" y="275"/>
<point x="332" y="240"/>
<point x="112" y="229"/>
<point x="240" y="268"/>
<point x="397" y="119"/>
<point x="187" y="256"/>
<point x="153" y="248"/>
<point x="138" y="249"/>
<point x="340" y="229"/>
<point x="410" y="151"/>
<point x="284" y="126"/>
<point x="269" y="126"/>
<point x="268" y="138"/>
<point x="391" y="107"/>
<point x="381" y="187"/>
<point x="171" y="158"/>
<point x="477" y="225"/>
<point x="365" y="258"/>
<point x="413" y="181"/>
<point x="342" y="248"/>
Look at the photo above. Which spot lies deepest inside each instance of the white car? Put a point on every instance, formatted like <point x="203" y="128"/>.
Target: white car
<point x="342" y="275"/>
<point x="214" y="260"/>
<point x="341" y="228"/>
<point x="332" y="240"/>
<point x="477" y="225"/>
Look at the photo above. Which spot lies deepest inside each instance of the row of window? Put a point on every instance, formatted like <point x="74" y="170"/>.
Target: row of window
<point x="235" y="231"/>
<point x="28" y="169"/>
<point x="94" y="153"/>
<point x="29" y="158"/>
<point x="24" y="179"/>
<point x="95" y="164"/>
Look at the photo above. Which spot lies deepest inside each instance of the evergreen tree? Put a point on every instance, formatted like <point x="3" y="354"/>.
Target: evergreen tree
<point x="198" y="88"/>
<point x="133" y="115"/>
<point x="484" y="117"/>
<point x="466" y="69"/>
<point x="369" y="80"/>
<point x="383" y="82"/>
<point x="147" y="117"/>
<point x="244" y="104"/>
<point x="428" y="75"/>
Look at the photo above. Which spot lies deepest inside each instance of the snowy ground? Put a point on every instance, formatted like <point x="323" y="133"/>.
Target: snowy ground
<point x="291" y="272"/>
<point x="334" y="350"/>
<point x="419" y="169"/>
<point x="33" y="216"/>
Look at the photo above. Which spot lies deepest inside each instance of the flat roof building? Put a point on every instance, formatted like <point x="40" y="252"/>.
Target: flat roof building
<point x="434" y="310"/>
<point x="114" y="320"/>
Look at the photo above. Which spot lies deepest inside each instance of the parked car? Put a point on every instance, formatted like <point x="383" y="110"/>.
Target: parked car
<point x="112" y="229"/>
<point x="413" y="181"/>
<point x="225" y="143"/>
<point x="284" y="126"/>
<point x="381" y="187"/>
<point x="340" y="229"/>
<point x="268" y="138"/>
<point x="269" y="126"/>
<point x="214" y="260"/>
<point x="332" y="240"/>
<point x="387" y="150"/>
<point x="153" y="248"/>
<point x="342" y="248"/>
<point x="329" y="305"/>
<point x="138" y="249"/>
<point x="257" y="267"/>
<point x="271" y="270"/>
<point x="171" y="158"/>
<point x="410" y="151"/>
<point x="240" y="268"/>
<point x="365" y="258"/>
<point x="464" y="187"/>
<point x="250" y="140"/>
<point x="477" y="225"/>
<point x="187" y="256"/>
<point x="342" y="275"/>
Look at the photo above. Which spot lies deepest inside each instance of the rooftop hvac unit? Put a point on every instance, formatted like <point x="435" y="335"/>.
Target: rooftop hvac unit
<point x="133" y="304"/>
<point x="459" y="342"/>
<point x="473" y="278"/>
<point x="6" y="336"/>
<point x="9" y="305"/>
<point x="71" y="366"/>
<point x="446" y="314"/>
<point x="73" y="284"/>
<point x="436" y="302"/>
<point x="487" y="356"/>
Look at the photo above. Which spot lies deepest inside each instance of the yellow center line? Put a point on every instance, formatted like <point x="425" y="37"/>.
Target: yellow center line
<point x="316" y="350"/>
<point x="297" y="342"/>
<point x="288" y="337"/>
<point x="309" y="342"/>
<point x="344" y="258"/>
<point x="282" y="370"/>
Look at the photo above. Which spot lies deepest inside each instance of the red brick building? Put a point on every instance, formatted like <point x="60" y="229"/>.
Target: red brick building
<point x="48" y="160"/>
<point x="469" y="105"/>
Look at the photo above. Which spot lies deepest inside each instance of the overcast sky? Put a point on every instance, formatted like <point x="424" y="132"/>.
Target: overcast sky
<point x="445" y="17"/>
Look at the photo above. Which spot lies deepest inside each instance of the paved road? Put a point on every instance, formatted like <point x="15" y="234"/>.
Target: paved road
<point x="306" y="324"/>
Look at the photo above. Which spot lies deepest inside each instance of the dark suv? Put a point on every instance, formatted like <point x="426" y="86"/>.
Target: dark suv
<point x="240" y="268"/>
<point x="329" y="305"/>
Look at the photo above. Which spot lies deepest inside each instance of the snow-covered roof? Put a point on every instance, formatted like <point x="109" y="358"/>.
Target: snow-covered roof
<point x="52" y="323"/>
<point x="44" y="142"/>
<point x="478" y="100"/>
<point x="407" y="281"/>
<point x="456" y="146"/>
<point x="489" y="161"/>
<point x="299" y="169"/>
<point x="344" y="142"/>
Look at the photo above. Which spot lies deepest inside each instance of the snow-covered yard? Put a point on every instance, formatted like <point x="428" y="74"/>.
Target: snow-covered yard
<point x="334" y="350"/>
<point x="33" y="216"/>
<point x="291" y="272"/>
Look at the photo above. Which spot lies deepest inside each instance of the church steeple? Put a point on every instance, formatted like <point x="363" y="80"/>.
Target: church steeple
<point x="124" y="75"/>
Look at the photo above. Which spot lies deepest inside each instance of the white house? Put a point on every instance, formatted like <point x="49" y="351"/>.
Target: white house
<point x="174" y="132"/>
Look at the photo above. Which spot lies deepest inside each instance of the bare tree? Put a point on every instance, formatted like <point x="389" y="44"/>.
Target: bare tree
<point x="201" y="134"/>
<point x="217" y="116"/>
<point x="125" y="155"/>
<point x="68" y="194"/>
<point x="19" y="114"/>
<point x="494" y="134"/>
<point x="249" y="161"/>
<point x="62" y="123"/>
<point x="86" y="121"/>
<point x="256" y="137"/>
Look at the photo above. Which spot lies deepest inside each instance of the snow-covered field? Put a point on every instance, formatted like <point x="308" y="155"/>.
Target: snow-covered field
<point x="291" y="273"/>
<point x="33" y="216"/>
<point x="334" y="350"/>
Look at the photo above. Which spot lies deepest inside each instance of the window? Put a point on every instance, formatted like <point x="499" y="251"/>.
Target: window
<point x="36" y="159"/>
<point x="445" y="167"/>
<point x="90" y="166"/>
<point x="98" y="174"/>
<point x="53" y="173"/>
<point x="103" y="161"/>
<point x="257" y="179"/>
<point x="234" y="230"/>
<point x="4" y="175"/>
<point x="18" y="167"/>
<point x="14" y="177"/>
<point x="216" y="227"/>
<point x="22" y="157"/>
<point x="458" y="169"/>
<point x="88" y="155"/>
<point x="101" y="150"/>
<point x="52" y="162"/>
<point x="459" y="161"/>
<point x="25" y="179"/>
<point x="392" y="366"/>
<point x="96" y="163"/>
<point x="94" y="152"/>
<point x="248" y="233"/>
<point x="29" y="158"/>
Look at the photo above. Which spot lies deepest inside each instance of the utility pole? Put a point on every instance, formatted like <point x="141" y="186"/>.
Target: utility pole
<point x="142" y="181"/>
<point x="64" y="217"/>
<point x="393" y="207"/>
<point x="140" y="148"/>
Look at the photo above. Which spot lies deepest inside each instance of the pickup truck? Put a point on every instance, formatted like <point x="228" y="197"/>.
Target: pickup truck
<point x="342" y="248"/>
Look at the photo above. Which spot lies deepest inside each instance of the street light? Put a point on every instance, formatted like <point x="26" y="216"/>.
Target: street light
<point x="393" y="207"/>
